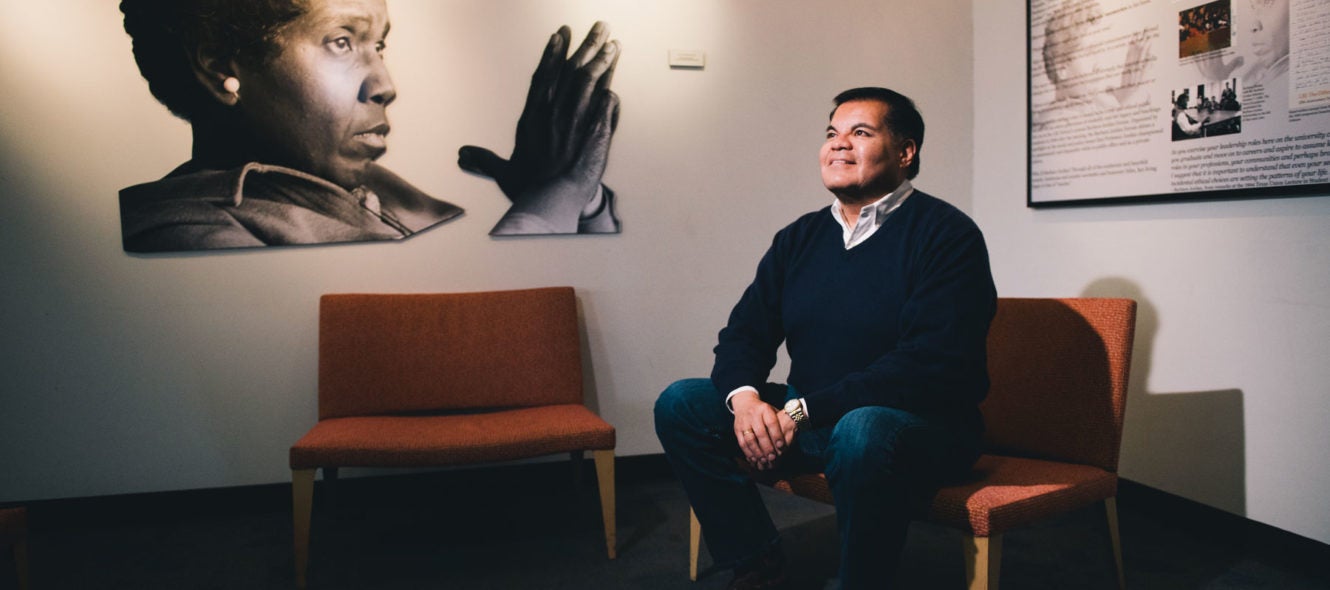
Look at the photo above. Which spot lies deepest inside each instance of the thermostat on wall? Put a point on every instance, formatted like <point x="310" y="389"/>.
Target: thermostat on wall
<point x="688" y="58"/>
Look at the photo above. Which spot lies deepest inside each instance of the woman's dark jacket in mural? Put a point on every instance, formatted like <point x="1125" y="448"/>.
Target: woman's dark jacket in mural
<point x="267" y="205"/>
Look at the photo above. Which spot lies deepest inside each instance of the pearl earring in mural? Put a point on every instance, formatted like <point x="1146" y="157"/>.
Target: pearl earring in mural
<point x="231" y="85"/>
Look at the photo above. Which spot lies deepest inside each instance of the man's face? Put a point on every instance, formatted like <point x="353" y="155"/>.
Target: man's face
<point x="861" y="161"/>
<point x="319" y="106"/>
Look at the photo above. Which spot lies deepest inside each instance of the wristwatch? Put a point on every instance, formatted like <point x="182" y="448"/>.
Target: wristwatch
<point x="795" y="410"/>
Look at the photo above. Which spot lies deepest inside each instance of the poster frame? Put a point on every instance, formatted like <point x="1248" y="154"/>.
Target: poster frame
<point x="1210" y="195"/>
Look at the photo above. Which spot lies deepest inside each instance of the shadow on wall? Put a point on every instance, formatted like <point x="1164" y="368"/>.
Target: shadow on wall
<point x="1190" y="443"/>
<point x="590" y="394"/>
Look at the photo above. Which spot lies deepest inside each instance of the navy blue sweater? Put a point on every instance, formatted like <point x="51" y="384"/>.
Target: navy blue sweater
<point x="900" y="320"/>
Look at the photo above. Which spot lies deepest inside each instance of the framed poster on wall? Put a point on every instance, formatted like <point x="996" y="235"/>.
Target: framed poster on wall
<point x="1150" y="100"/>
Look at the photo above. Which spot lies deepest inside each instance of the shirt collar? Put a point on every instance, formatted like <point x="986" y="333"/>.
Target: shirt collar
<point x="872" y="215"/>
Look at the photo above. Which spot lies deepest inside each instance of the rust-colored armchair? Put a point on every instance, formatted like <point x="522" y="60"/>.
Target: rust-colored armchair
<point x="425" y="380"/>
<point x="1054" y="425"/>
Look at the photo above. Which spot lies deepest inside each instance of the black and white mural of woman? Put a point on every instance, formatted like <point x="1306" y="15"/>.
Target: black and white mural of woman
<point x="287" y="101"/>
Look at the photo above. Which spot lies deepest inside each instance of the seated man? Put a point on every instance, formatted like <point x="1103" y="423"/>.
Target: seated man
<point x="883" y="301"/>
<point x="1184" y="126"/>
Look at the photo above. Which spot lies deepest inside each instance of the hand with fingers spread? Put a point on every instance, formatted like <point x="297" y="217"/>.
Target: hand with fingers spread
<point x="1218" y="66"/>
<point x="763" y="431"/>
<point x="553" y="176"/>
<point x="1139" y="60"/>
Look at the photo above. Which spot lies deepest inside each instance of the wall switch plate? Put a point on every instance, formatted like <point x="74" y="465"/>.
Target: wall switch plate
<point x="688" y="58"/>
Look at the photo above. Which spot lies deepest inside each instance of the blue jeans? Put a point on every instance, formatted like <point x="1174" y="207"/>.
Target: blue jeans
<point x="883" y="465"/>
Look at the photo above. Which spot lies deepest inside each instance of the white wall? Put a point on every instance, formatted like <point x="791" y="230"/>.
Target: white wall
<point x="129" y="373"/>
<point x="1230" y="396"/>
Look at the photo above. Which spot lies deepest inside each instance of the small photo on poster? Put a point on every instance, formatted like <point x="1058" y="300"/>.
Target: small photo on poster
<point x="1202" y="112"/>
<point x="1205" y="28"/>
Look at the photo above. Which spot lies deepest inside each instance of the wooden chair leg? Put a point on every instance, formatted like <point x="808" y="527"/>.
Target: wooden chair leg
<point x="1111" y="510"/>
<point x="21" y="563"/>
<point x="983" y="562"/>
<point x="694" y="543"/>
<point x="605" y="478"/>
<point x="302" y="505"/>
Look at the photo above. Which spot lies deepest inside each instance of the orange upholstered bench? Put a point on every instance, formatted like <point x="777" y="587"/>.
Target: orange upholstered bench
<point x="425" y="380"/>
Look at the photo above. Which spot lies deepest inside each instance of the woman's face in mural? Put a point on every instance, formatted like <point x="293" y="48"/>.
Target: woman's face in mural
<point x="1269" y="29"/>
<point x="320" y="105"/>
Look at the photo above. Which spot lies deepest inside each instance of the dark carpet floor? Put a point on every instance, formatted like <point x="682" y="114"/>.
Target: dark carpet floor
<point x="534" y="526"/>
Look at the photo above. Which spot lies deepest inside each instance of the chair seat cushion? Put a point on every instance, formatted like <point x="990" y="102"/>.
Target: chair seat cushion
<point x="1002" y="493"/>
<point x="1008" y="492"/>
<point x="426" y="441"/>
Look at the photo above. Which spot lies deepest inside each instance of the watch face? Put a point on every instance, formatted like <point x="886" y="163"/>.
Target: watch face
<point x="795" y="410"/>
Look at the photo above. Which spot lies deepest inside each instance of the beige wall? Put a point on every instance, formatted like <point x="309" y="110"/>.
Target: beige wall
<point x="1230" y="395"/>
<point x="129" y="374"/>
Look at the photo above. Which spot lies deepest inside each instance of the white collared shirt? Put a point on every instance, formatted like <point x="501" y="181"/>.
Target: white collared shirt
<point x="871" y="215"/>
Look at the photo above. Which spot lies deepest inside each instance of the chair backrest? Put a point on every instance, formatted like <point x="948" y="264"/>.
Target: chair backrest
<point x="1059" y="371"/>
<point x="407" y="353"/>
